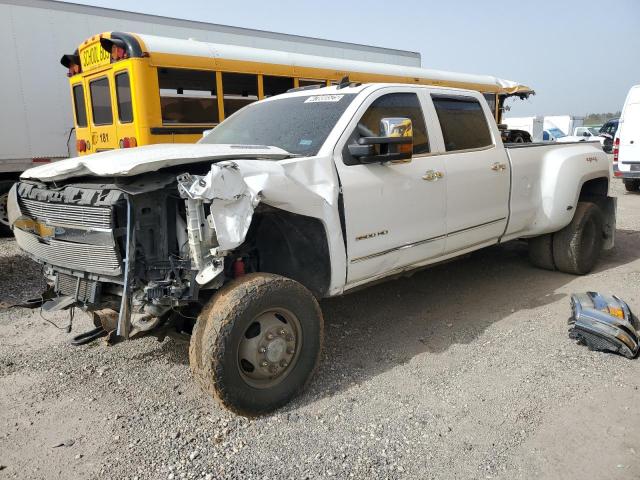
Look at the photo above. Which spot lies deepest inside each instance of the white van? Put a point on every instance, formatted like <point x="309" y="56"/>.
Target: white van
<point x="626" y="149"/>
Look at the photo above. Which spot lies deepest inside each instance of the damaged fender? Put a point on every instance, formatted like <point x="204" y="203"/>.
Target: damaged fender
<point x="233" y="190"/>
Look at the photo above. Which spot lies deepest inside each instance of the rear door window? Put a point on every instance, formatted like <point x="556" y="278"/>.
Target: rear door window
<point x="101" y="101"/>
<point x="79" y="106"/>
<point x="463" y="122"/>
<point x="123" y="96"/>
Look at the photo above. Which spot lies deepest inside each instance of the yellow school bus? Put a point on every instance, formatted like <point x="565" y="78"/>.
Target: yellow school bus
<point x="130" y="89"/>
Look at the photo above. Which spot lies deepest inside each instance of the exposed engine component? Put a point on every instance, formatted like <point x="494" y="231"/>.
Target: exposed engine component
<point x="604" y="323"/>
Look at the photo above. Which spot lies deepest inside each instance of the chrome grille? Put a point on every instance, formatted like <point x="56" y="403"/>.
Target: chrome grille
<point x="68" y="285"/>
<point x="65" y="215"/>
<point x="101" y="259"/>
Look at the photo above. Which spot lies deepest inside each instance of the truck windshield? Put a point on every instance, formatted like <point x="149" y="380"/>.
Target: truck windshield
<point x="299" y="125"/>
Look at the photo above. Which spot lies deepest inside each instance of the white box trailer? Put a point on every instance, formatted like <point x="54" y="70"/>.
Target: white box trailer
<point x="533" y="125"/>
<point x="36" y="124"/>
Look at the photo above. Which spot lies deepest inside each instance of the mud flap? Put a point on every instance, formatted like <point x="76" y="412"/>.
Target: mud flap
<point x="604" y="323"/>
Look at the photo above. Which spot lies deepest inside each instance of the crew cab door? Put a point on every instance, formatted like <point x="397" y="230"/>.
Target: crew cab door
<point x="477" y="171"/>
<point x="394" y="216"/>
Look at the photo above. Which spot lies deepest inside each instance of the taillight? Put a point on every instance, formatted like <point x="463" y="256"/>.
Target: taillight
<point x="81" y="145"/>
<point x="616" y="149"/>
<point x="128" y="142"/>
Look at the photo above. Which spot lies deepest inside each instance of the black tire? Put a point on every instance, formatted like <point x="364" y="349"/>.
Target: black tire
<point x="577" y="247"/>
<point x="541" y="252"/>
<point x="631" y="185"/>
<point x="5" y="186"/>
<point x="214" y="352"/>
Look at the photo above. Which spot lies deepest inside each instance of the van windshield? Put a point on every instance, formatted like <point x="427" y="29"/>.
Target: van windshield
<point x="299" y="125"/>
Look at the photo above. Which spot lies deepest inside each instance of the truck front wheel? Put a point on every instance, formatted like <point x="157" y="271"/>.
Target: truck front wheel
<point x="257" y="343"/>
<point x="577" y="247"/>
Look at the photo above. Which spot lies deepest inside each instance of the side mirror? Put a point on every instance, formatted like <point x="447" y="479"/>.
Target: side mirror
<point x="394" y="144"/>
<point x="586" y="134"/>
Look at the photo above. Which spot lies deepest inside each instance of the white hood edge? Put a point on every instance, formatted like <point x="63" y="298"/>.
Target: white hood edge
<point x="150" y="158"/>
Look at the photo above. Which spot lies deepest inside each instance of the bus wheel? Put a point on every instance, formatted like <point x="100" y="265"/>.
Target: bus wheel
<point x="4" y="215"/>
<point x="577" y="247"/>
<point x="257" y="343"/>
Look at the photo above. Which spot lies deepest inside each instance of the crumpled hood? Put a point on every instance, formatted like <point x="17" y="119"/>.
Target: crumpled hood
<point x="134" y="161"/>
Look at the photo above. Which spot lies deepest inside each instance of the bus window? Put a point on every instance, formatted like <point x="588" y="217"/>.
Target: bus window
<point x="123" y="96"/>
<point x="188" y="96"/>
<point x="491" y="100"/>
<point x="307" y="82"/>
<point x="276" y="85"/>
<point x="79" y="106"/>
<point x="239" y="89"/>
<point x="101" y="101"/>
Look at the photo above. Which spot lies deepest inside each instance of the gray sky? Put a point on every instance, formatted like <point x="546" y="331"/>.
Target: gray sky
<point x="581" y="56"/>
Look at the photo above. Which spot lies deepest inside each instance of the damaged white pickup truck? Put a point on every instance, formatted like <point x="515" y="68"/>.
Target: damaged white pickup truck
<point x="298" y="197"/>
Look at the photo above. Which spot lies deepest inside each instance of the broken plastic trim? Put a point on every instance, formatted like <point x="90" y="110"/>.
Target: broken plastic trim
<point x="604" y="323"/>
<point x="124" y="317"/>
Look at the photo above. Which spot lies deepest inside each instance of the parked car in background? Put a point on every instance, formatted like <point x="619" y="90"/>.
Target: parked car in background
<point x="626" y="147"/>
<point x="608" y="134"/>
<point x="592" y="131"/>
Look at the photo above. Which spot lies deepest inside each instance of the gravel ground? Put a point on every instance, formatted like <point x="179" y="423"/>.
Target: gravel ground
<point x="461" y="371"/>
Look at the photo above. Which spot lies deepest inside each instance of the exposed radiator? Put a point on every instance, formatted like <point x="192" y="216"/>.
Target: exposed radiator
<point x="68" y="285"/>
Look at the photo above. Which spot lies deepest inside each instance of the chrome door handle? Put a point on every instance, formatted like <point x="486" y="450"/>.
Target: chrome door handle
<point x="498" y="167"/>
<point x="432" y="175"/>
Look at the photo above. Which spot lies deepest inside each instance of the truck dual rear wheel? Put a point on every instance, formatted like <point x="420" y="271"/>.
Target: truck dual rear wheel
<point x="577" y="247"/>
<point x="574" y="249"/>
<point x="541" y="252"/>
<point x="257" y="343"/>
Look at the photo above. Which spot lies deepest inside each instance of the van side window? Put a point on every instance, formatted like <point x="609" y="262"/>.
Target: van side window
<point x="276" y="85"/>
<point x="188" y="96"/>
<point x="123" y="97"/>
<point x="404" y="105"/>
<point x="239" y="89"/>
<point x="463" y="122"/>
<point x="101" y="101"/>
<point x="79" y="106"/>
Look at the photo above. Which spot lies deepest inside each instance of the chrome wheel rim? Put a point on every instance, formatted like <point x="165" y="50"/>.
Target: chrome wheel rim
<point x="269" y="348"/>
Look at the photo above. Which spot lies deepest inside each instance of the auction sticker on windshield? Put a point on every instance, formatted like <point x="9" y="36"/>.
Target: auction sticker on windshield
<point x="323" y="98"/>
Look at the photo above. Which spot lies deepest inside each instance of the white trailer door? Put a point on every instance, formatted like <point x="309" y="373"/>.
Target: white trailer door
<point x="393" y="216"/>
<point x="477" y="173"/>
<point x="630" y="134"/>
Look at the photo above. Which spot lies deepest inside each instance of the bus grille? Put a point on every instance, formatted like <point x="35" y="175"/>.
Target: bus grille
<point x="100" y="259"/>
<point x="65" y="215"/>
